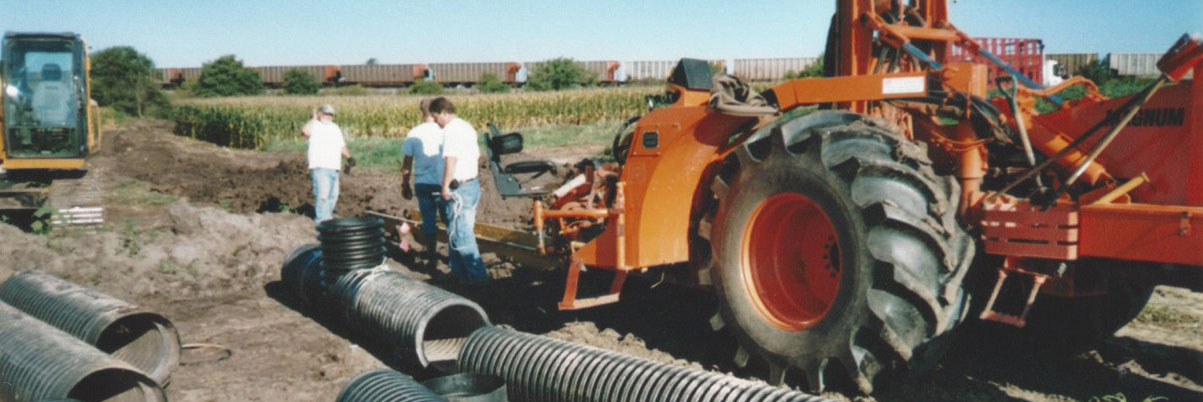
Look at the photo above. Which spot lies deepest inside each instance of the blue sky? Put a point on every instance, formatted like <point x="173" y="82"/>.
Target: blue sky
<point x="188" y="33"/>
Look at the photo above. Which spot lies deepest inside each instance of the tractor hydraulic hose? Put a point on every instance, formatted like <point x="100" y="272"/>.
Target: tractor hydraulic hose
<point x="386" y="385"/>
<point x="1021" y="126"/>
<point x="39" y="362"/>
<point x="539" y="368"/>
<point x="1068" y="148"/>
<point x="145" y="340"/>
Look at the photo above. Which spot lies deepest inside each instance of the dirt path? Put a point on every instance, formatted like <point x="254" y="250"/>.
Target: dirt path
<point x="189" y="234"/>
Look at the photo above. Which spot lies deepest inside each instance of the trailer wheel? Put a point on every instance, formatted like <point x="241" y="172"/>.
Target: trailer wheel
<point x="837" y="251"/>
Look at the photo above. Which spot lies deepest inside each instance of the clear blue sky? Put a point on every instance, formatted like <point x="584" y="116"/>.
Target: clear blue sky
<point x="188" y="33"/>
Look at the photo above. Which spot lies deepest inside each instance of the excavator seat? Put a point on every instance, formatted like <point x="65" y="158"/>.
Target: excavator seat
<point x="497" y="144"/>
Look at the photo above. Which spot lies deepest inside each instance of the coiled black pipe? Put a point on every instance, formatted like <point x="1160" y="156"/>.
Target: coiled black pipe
<point x="39" y="362"/>
<point x="538" y="368"/>
<point x="351" y="243"/>
<point x="145" y="340"/>
<point x="385" y="385"/>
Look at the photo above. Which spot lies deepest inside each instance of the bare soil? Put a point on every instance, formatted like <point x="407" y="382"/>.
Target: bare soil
<point x="193" y="231"/>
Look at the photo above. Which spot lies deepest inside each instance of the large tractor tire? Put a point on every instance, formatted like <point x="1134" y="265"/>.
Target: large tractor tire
<point x="837" y="252"/>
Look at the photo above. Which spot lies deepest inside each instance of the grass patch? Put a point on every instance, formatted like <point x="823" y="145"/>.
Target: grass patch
<point x="1164" y="316"/>
<point x="137" y="193"/>
<point x="567" y="135"/>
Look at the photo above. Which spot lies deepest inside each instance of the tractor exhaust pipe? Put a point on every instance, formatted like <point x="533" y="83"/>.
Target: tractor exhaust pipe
<point x="146" y="340"/>
<point x="538" y="368"/>
<point x="386" y="385"/>
<point x="39" y="362"/>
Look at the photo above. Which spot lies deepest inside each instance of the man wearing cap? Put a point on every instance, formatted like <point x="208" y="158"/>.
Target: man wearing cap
<point x="327" y="147"/>
<point x="461" y="190"/>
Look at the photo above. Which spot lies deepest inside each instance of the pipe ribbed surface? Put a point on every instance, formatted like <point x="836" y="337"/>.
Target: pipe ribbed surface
<point x="385" y="385"/>
<point x="538" y="368"/>
<point x="39" y="362"/>
<point x="302" y="273"/>
<point x="146" y="340"/>
<point x="423" y="321"/>
<point x="351" y="243"/>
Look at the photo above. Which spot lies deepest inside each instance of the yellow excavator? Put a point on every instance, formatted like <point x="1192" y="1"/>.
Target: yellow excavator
<point x="50" y="123"/>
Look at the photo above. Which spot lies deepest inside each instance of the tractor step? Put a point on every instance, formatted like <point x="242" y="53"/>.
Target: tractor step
<point x="1019" y="321"/>
<point x="571" y="302"/>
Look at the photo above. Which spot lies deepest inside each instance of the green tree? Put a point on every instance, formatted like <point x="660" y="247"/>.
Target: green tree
<point x="490" y="83"/>
<point x="226" y="76"/>
<point x="426" y="87"/>
<point x="1098" y="71"/>
<point x="300" y="82"/>
<point x="559" y="73"/>
<point x="124" y="79"/>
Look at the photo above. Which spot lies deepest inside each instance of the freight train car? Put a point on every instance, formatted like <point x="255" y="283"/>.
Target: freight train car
<point x="273" y="76"/>
<point x="470" y="73"/>
<point x="770" y="69"/>
<point x="382" y="75"/>
<point x="1135" y="64"/>
<point x="1068" y="64"/>
<point x="604" y="70"/>
<point x="648" y="70"/>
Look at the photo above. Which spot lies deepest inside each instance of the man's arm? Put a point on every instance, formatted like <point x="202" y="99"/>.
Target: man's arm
<point x="407" y="165"/>
<point x="346" y="153"/>
<point x="448" y="175"/>
<point x="307" y="129"/>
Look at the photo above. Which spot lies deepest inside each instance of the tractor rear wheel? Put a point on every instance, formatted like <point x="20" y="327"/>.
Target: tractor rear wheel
<point x="837" y="251"/>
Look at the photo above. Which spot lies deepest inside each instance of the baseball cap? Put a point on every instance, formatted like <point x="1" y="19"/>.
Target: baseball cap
<point x="327" y="109"/>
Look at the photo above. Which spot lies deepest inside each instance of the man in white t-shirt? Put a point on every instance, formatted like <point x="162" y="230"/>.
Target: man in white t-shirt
<point x="423" y="149"/>
<point x="327" y="147"/>
<point x="461" y="190"/>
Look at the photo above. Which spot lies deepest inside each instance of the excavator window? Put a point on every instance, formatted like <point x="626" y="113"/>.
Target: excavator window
<point x="43" y="97"/>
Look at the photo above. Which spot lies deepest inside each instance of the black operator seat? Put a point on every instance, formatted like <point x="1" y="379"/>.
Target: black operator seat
<point x="497" y="144"/>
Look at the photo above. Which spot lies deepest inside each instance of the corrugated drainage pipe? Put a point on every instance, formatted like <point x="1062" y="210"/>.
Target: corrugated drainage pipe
<point x="349" y="244"/>
<point x="39" y="362"/>
<point x="538" y="368"/>
<point x="302" y="274"/>
<point x="423" y="321"/>
<point x="145" y="340"/>
<point x="386" y="385"/>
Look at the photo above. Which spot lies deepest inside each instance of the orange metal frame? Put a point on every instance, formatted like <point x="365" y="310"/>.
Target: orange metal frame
<point x="660" y="182"/>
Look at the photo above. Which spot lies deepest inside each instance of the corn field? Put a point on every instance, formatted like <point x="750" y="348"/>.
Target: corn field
<point x="255" y="122"/>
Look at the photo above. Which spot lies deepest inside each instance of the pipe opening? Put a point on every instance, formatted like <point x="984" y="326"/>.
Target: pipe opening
<point x="146" y="341"/>
<point x="116" y="385"/>
<point x="444" y="334"/>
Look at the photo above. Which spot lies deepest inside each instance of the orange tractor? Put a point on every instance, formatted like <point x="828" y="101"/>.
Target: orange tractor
<point x="847" y="221"/>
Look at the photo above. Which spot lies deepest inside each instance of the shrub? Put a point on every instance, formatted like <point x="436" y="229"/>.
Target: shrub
<point x="490" y="83"/>
<point x="226" y="76"/>
<point x="300" y="82"/>
<point x="426" y="87"/>
<point x="559" y="73"/>
<point x="124" y="79"/>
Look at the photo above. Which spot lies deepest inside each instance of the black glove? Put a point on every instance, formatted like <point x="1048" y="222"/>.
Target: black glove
<point x="350" y="164"/>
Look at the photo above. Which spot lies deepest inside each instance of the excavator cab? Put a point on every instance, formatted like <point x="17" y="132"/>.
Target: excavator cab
<point x="45" y="96"/>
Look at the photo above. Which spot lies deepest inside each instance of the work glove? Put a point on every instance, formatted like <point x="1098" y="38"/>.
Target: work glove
<point x="347" y="166"/>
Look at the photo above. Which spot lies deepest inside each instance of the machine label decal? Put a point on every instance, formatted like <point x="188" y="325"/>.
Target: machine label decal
<point x="903" y="85"/>
<point x="1155" y="117"/>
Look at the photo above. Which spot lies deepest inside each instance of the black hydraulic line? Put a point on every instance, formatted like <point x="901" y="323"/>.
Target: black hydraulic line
<point x="39" y="362"/>
<point x="538" y="368"/>
<point x="145" y="340"/>
<point x="1020" y="125"/>
<point x="384" y="385"/>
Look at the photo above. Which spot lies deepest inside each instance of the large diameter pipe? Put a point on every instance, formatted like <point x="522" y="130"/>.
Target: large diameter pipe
<point x="39" y="362"/>
<point x="424" y="322"/>
<point x="385" y="385"/>
<point x="146" y="340"/>
<point x="538" y="368"/>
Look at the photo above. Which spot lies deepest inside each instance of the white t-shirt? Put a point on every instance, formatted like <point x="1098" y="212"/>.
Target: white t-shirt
<point x="326" y="146"/>
<point x="459" y="140"/>
<point x="425" y="144"/>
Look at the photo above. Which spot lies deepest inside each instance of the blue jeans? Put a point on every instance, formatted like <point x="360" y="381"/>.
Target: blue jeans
<point x="464" y="256"/>
<point x="325" y="192"/>
<point x="432" y="207"/>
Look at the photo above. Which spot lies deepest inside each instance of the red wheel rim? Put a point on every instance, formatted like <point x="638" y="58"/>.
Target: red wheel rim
<point x="791" y="261"/>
